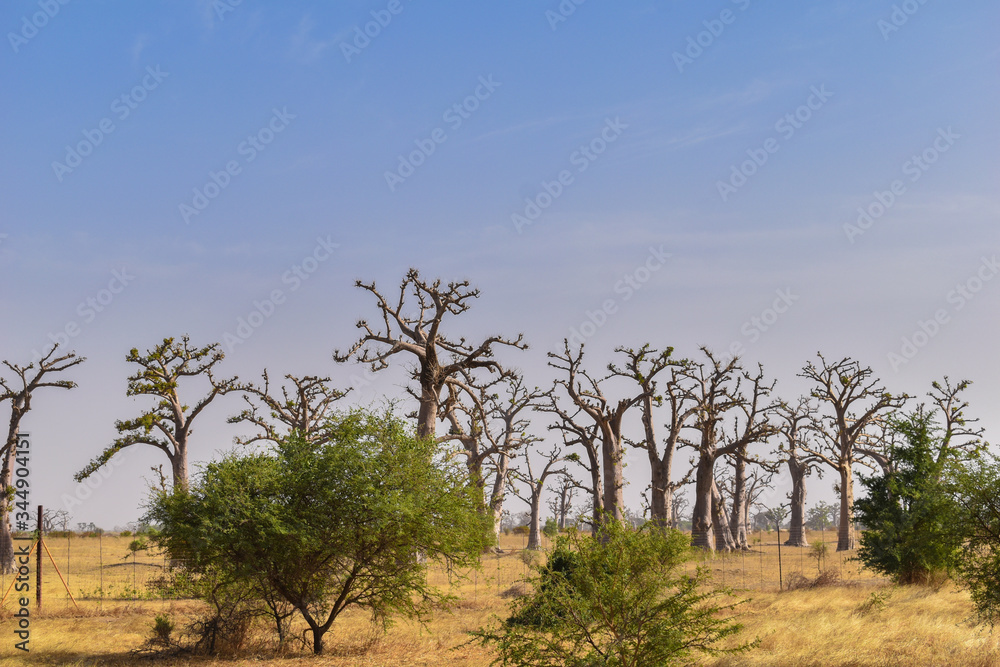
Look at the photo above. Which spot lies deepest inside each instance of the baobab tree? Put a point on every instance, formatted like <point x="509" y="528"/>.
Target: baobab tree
<point x="561" y="502"/>
<point x="711" y="386"/>
<point x="488" y="421"/>
<point x="850" y="398"/>
<point x="18" y="390"/>
<point x="534" y="486"/>
<point x="642" y="366"/>
<point x="796" y="423"/>
<point x="575" y="431"/>
<point x="752" y="425"/>
<point x="960" y="438"/>
<point x="411" y="324"/>
<point x="587" y="393"/>
<point x="302" y="409"/>
<point x="167" y="425"/>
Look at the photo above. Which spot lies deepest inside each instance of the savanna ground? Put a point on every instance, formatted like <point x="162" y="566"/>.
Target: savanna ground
<point x="859" y="620"/>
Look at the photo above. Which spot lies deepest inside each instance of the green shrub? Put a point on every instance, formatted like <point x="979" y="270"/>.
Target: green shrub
<point x="621" y="599"/>
<point x="163" y="628"/>
<point x="908" y="511"/>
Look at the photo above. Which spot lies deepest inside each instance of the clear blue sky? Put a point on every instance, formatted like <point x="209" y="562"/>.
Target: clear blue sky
<point x="644" y="108"/>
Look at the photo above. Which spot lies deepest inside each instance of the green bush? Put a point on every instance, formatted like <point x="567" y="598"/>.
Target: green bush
<point x="977" y="494"/>
<point x="910" y="535"/>
<point x="322" y="527"/>
<point x="163" y="628"/>
<point x="551" y="528"/>
<point x="618" y="600"/>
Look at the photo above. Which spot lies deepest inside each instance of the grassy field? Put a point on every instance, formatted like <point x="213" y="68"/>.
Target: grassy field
<point x="860" y="621"/>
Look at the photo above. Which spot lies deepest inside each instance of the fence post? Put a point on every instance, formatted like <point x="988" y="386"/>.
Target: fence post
<point x="781" y="583"/>
<point x="38" y="561"/>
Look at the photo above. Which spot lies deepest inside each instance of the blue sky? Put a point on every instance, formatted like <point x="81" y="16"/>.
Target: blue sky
<point x="882" y="91"/>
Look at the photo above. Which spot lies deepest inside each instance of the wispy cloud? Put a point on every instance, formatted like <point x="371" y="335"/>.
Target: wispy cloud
<point x="138" y="46"/>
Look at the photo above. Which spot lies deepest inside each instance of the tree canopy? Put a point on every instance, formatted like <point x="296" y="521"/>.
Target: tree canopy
<point x="331" y="525"/>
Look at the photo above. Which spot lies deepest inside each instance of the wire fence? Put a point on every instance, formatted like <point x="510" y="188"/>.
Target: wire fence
<point x="124" y="568"/>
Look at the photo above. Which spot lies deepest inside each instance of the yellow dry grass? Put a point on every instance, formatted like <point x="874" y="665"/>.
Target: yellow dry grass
<point x="820" y="626"/>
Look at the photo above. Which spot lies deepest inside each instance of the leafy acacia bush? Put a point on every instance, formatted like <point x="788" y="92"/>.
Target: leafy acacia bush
<point x="618" y="601"/>
<point x="321" y="528"/>
<point x="977" y="493"/>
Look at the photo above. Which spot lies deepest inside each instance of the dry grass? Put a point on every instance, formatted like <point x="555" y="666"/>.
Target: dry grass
<point x="836" y="623"/>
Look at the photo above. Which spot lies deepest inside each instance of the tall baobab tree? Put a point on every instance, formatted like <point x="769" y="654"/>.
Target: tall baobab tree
<point x="575" y="432"/>
<point x="752" y="425"/>
<point x="959" y="438"/>
<point x="534" y="487"/>
<point x="487" y="420"/>
<point x="411" y="324"/>
<point x="167" y="425"/>
<point x="303" y="409"/>
<point x="18" y="390"/>
<point x="850" y="399"/>
<point x="796" y="423"/>
<point x="713" y="392"/>
<point x="643" y="366"/>
<point x="956" y="425"/>
<point x="587" y="393"/>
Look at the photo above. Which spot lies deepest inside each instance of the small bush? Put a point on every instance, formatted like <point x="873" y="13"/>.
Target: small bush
<point x="551" y="528"/>
<point x="520" y="530"/>
<point x="873" y="603"/>
<point x="163" y="628"/>
<point x="619" y="600"/>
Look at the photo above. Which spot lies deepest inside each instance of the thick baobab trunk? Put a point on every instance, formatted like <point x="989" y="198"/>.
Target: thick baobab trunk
<point x="6" y="536"/>
<point x="797" y="523"/>
<point x="661" y="493"/>
<point x="497" y="495"/>
<point x="845" y="533"/>
<point x="596" y="487"/>
<point x="428" y="413"/>
<point x="737" y="522"/>
<point x="179" y="467"/>
<point x="614" y="482"/>
<point x="701" y="517"/>
<point x="535" y="525"/>
<point x="720" y="523"/>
